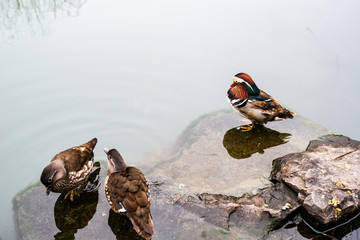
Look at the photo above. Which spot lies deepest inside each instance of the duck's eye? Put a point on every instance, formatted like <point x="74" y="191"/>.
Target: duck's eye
<point x="50" y="180"/>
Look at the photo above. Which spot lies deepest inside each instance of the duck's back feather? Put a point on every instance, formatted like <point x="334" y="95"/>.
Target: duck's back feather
<point x="128" y="192"/>
<point x="270" y="109"/>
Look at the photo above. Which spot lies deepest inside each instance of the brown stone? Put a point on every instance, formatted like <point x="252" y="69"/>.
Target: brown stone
<point x="325" y="177"/>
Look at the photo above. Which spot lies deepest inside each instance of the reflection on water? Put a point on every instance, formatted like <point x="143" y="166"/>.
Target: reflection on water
<point x="243" y="144"/>
<point x="20" y="18"/>
<point x="71" y="216"/>
<point x="298" y="228"/>
<point x="122" y="227"/>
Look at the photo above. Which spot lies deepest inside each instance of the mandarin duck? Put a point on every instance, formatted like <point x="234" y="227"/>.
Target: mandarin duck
<point x="69" y="170"/>
<point x="128" y="193"/>
<point x="254" y="104"/>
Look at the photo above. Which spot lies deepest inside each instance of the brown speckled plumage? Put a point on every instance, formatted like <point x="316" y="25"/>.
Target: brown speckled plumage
<point x="69" y="169"/>
<point x="127" y="192"/>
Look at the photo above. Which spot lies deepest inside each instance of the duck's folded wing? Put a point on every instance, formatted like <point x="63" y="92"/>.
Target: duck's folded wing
<point x="128" y="191"/>
<point x="269" y="107"/>
<point x="263" y="101"/>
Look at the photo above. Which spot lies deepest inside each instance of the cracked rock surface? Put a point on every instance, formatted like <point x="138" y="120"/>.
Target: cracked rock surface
<point x="325" y="177"/>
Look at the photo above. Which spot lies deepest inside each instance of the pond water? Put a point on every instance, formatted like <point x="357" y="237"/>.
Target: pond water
<point x="134" y="74"/>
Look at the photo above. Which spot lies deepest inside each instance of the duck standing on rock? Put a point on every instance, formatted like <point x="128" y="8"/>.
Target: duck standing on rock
<point x="254" y="104"/>
<point x="128" y="192"/>
<point x="69" y="170"/>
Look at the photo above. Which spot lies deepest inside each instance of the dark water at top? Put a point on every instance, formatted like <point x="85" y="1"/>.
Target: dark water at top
<point x="134" y="74"/>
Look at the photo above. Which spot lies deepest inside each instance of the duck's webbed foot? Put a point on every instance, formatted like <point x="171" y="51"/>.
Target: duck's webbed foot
<point x="77" y="192"/>
<point x="246" y="128"/>
<point x="71" y="193"/>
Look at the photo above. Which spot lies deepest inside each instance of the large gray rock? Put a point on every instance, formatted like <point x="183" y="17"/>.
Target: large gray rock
<point x="325" y="177"/>
<point x="212" y="183"/>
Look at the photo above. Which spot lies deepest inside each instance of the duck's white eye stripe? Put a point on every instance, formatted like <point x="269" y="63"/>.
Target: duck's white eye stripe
<point x="236" y="79"/>
<point x="249" y="85"/>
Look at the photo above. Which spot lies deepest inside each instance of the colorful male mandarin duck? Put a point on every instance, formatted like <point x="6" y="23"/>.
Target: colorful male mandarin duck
<point x="69" y="170"/>
<point x="128" y="192"/>
<point x="253" y="103"/>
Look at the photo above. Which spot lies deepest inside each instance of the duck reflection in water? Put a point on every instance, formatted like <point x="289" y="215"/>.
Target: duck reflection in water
<point x="241" y="144"/>
<point x="122" y="227"/>
<point x="71" y="216"/>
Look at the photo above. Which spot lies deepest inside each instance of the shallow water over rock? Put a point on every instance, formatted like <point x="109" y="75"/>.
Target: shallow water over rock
<point x="213" y="156"/>
<point x="195" y="185"/>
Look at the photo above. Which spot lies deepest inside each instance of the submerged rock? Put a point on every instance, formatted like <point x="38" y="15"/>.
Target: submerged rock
<point x="52" y="217"/>
<point x="211" y="184"/>
<point x="219" y="175"/>
<point x="208" y="156"/>
<point x="241" y="145"/>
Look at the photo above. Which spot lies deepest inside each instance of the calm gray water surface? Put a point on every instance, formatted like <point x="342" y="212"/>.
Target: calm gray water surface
<point x="135" y="73"/>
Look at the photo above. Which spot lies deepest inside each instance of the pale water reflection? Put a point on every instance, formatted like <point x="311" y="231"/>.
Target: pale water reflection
<point x="24" y="18"/>
<point x="135" y="73"/>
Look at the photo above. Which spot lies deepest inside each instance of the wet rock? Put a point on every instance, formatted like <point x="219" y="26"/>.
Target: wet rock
<point x="71" y="216"/>
<point x="120" y="224"/>
<point x="241" y="145"/>
<point x="209" y="155"/>
<point x="299" y="228"/>
<point x="325" y="177"/>
<point x="211" y="169"/>
<point x="256" y="213"/>
<point x="38" y="216"/>
<point x="212" y="183"/>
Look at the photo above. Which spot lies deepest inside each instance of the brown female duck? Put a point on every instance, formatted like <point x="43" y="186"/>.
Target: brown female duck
<point x="69" y="170"/>
<point x="128" y="192"/>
